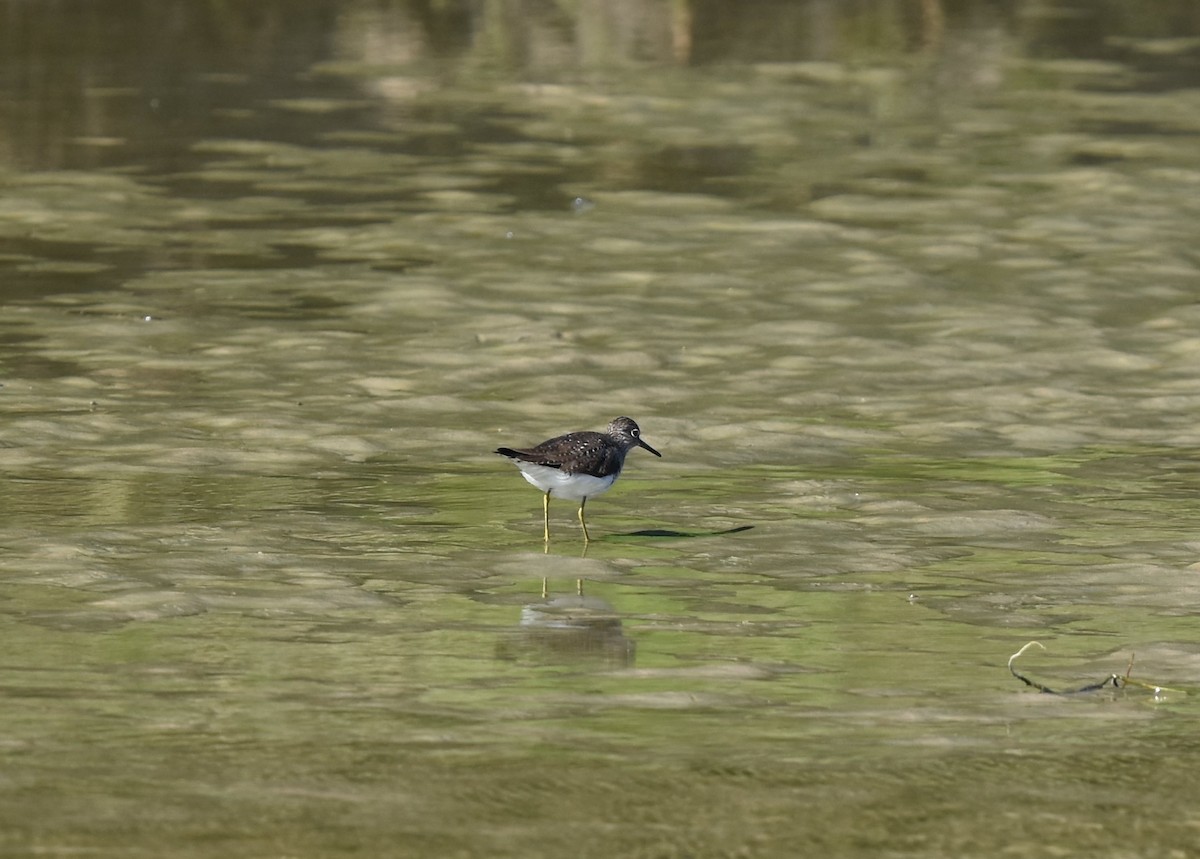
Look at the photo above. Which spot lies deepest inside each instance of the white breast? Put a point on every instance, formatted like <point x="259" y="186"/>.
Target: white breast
<point x="574" y="487"/>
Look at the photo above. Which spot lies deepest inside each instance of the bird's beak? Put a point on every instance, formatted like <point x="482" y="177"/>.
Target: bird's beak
<point x="648" y="447"/>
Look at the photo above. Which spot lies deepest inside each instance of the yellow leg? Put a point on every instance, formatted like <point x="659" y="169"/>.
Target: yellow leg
<point x="586" y="538"/>
<point x="546" y="517"/>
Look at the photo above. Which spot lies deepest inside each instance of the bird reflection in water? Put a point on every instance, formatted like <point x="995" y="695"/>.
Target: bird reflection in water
<point x="570" y="628"/>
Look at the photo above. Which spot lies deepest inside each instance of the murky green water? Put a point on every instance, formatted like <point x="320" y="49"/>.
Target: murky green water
<point x="909" y="305"/>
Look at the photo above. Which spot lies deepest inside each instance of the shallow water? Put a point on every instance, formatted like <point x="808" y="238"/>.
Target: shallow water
<point x="910" y="312"/>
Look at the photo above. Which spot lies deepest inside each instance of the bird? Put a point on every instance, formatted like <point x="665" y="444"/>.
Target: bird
<point x="578" y="465"/>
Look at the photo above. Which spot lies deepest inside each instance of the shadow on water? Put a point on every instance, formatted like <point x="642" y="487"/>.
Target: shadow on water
<point x="671" y="533"/>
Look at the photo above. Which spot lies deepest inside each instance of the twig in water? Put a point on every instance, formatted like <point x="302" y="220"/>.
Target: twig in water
<point x="1113" y="680"/>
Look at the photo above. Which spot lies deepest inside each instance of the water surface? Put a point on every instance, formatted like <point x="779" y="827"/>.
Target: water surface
<point x="909" y="305"/>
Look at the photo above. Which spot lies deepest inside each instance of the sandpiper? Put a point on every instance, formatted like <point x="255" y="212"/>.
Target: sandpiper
<point x="578" y="465"/>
